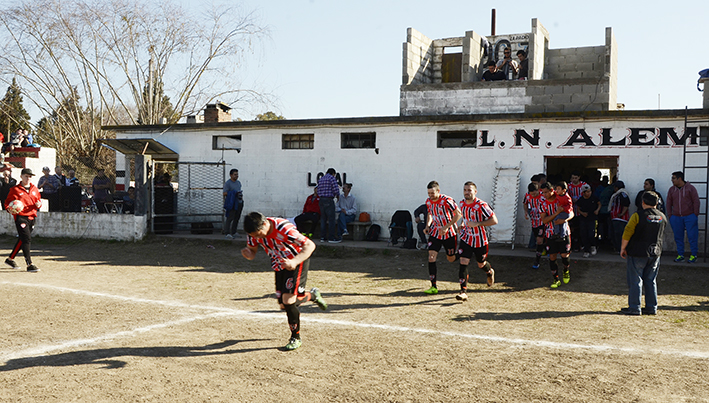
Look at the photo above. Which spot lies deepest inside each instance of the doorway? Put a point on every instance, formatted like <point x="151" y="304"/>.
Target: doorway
<point x="560" y="168"/>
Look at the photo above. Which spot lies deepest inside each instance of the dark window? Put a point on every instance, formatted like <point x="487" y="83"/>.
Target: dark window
<point x="457" y="139"/>
<point x="298" y="141"/>
<point x="226" y="142"/>
<point x="703" y="136"/>
<point x="359" y="140"/>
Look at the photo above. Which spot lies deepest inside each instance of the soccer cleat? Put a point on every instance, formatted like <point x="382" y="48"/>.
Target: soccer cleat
<point x="32" y="268"/>
<point x="544" y="252"/>
<point x="462" y="296"/>
<point x="490" y="277"/>
<point x="11" y="263"/>
<point x="318" y="299"/>
<point x="692" y="259"/>
<point x="293" y="343"/>
<point x="556" y="283"/>
<point x="679" y="258"/>
<point x="627" y="311"/>
<point x="566" y="277"/>
<point x="593" y="251"/>
<point x="431" y="291"/>
<point x="535" y="266"/>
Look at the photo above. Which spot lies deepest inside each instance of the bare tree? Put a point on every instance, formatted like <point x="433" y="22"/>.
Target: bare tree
<point x="121" y="58"/>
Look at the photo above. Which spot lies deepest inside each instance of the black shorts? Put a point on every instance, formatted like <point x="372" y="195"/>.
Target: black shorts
<point x="467" y="251"/>
<point x="558" y="245"/>
<point x="435" y="244"/>
<point x="292" y="282"/>
<point x="539" y="231"/>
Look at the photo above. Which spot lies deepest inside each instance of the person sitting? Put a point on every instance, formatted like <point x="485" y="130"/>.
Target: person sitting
<point x="308" y="221"/>
<point x="347" y="207"/>
<point x="129" y="201"/>
<point x="491" y="74"/>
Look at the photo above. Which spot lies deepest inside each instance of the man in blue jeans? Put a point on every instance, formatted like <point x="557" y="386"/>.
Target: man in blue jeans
<point x="641" y="247"/>
<point x="683" y="211"/>
<point x="328" y="190"/>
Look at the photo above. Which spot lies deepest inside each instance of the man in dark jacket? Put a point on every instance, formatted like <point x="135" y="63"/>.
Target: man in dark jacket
<point x="641" y="247"/>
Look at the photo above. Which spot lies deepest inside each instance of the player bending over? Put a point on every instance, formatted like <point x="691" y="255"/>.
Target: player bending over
<point x="289" y="251"/>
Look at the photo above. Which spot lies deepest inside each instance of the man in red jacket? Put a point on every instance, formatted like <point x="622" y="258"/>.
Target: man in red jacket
<point x="309" y="220"/>
<point x="683" y="212"/>
<point x="29" y="195"/>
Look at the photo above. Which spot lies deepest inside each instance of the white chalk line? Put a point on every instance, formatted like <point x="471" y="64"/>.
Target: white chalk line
<point x="227" y="312"/>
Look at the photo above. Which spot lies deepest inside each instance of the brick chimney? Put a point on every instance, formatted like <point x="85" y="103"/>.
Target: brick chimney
<point x="215" y="113"/>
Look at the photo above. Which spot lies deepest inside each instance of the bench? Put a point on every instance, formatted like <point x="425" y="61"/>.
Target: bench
<point x="358" y="229"/>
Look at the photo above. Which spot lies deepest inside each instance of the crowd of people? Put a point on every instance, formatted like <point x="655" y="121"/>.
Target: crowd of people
<point x="507" y="68"/>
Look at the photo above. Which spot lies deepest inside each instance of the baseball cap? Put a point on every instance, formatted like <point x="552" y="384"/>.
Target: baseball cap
<point x="585" y="187"/>
<point x="26" y="171"/>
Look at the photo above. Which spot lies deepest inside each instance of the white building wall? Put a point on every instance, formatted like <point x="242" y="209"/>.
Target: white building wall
<point x="275" y="181"/>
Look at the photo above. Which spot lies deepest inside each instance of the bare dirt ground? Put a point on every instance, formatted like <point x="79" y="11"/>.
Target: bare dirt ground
<point x="171" y="320"/>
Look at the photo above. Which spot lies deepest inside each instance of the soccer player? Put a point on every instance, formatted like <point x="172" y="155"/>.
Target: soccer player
<point x="289" y="251"/>
<point x="443" y="213"/>
<point x="557" y="242"/>
<point x="28" y="194"/>
<point x="532" y="203"/>
<point x="473" y="237"/>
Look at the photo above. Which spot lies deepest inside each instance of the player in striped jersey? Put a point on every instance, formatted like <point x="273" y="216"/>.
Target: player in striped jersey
<point x="532" y="203"/>
<point x="556" y="242"/>
<point x="473" y="237"/>
<point x="443" y="213"/>
<point x="289" y="251"/>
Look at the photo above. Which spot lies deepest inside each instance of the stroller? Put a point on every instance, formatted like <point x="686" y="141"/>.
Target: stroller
<point x="401" y="227"/>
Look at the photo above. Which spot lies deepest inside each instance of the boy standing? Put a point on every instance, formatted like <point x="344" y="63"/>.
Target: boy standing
<point x="289" y="251"/>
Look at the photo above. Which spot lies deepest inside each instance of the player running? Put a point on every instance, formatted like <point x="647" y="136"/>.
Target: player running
<point x="289" y="251"/>
<point x="22" y="202"/>
<point x="477" y="215"/>
<point x="443" y="213"/>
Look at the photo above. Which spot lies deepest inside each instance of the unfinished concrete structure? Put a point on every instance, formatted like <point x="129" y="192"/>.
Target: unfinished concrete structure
<point x="439" y="82"/>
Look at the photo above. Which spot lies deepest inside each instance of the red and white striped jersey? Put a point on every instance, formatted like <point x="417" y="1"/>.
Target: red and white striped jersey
<point x="549" y="208"/>
<point x="476" y="211"/>
<point x="284" y="242"/>
<point x="533" y="204"/>
<point x="575" y="191"/>
<point x="441" y="213"/>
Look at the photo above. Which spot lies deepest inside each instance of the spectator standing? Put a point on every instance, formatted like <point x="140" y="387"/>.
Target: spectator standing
<point x="311" y="214"/>
<point x="7" y="183"/>
<point x="523" y="65"/>
<point x="328" y="190"/>
<point x="102" y="187"/>
<point x="49" y="185"/>
<point x="477" y="215"/>
<point x="233" y="203"/>
<point x="289" y="251"/>
<point x="642" y="248"/>
<point x="507" y="66"/>
<point x="28" y="194"/>
<point x="619" y="204"/>
<point x="72" y="180"/>
<point x="649" y="186"/>
<point x="604" y="216"/>
<point x="683" y="210"/>
<point x="588" y="206"/>
<point x="61" y="178"/>
<point x="347" y="207"/>
<point x="443" y="214"/>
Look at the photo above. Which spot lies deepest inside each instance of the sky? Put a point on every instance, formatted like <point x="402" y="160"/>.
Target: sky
<point x="328" y="59"/>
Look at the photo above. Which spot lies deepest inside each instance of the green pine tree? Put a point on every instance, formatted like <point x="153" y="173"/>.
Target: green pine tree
<point x="13" y="115"/>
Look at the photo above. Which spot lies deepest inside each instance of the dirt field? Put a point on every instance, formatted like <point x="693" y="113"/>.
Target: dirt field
<point x="171" y="320"/>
